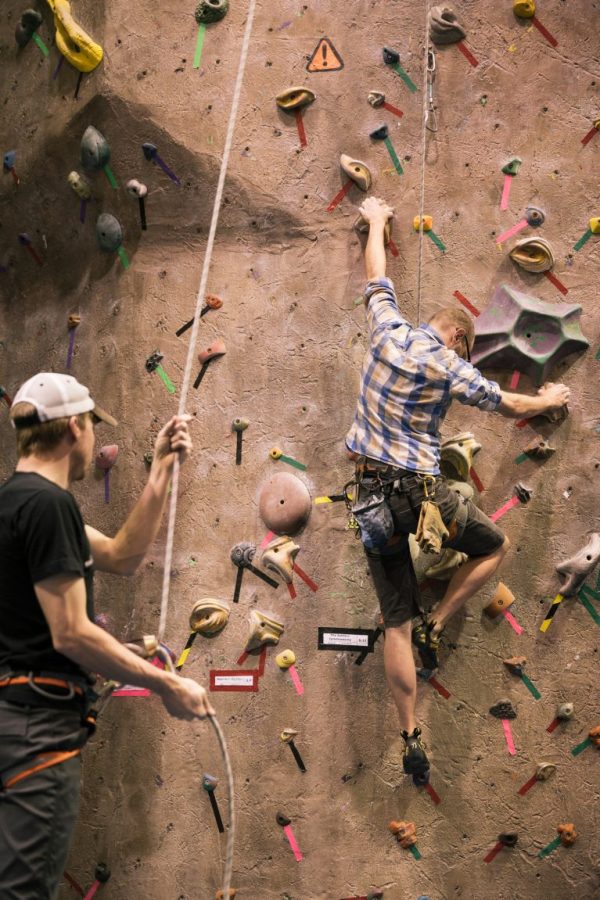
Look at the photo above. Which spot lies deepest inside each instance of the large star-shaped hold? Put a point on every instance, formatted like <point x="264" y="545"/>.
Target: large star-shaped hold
<point x="517" y="331"/>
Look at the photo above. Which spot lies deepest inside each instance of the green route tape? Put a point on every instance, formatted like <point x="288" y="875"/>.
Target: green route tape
<point x="550" y="848"/>
<point x="581" y="747"/>
<point x="293" y="462"/>
<point x="111" y="178"/>
<point x="520" y="458"/>
<point x="531" y="687"/>
<point x="393" y="156"/>
<point x="166" y="380"/>
<point x="598" y="355"/>
<point x="415" y="851"/>
<point x="583" y="239"/>
<point x="405" y="77"/>
<point x="37" y="40"/>
<point x="436" y="240"/>
<point x="199" y="45"/>
<point x="590" y="608"/>
<point x="123" y="257"/>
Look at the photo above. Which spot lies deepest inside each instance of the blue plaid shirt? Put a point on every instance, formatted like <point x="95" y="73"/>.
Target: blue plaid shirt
<point x="409" y="379"/>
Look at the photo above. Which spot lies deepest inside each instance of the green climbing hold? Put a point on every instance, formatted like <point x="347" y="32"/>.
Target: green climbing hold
<point x="211" y="11"/>
<point x="512" y="166"/>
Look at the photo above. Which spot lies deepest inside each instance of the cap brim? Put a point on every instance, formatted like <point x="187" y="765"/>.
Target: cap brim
<point x="104" y="416"/>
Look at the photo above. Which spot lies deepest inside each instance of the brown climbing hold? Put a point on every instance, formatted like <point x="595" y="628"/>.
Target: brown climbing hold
<point x="285" y="659"/>
<point x="217" y="348"/>
<point x="213" y="302"/>
<point x="444" y="568"/>
<point x="362" y="226"/>
<point x="295" y="98"/>
<point x="287" y="735"/>
<point x="263" y="630"/>
<point x="594" y="736"/>
<point x="405" y="832"/>
<point x="357" y="171"/>
<point x="555" y="416"/>
<point x="457" y="454"/>
<point x="516" y="664"/>
<point x="444" y="27"/>
<point x="502" y="599"/>
<point x="539" y="448"/>
<point x="107" y="457"/>
<point x="565" y="711"/>
<point x="74" y="320"/>
<point x="279" y="556"/>
<point x="545" y="771"/>
<point x="533" y="254"/>
<point x="284" y="504"/>
<point x="231" y="893"/>
<point x="209" y="616"/>
<point x="524" y="9"/>
<point x="503" y="709"/>
<point x="567" y="833"/>
<point x="578" y="567"/>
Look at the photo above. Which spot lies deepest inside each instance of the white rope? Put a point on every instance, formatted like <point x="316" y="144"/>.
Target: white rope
<point x="185" y="386"/>
<point x="423" y="151"/>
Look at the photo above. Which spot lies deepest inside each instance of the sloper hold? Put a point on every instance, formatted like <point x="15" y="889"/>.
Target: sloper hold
<point x="263" y="630"/>
<point x="503" y="709"/>
<point x="533" y="254"/>
<point x="357" y="171"/>
<point x="95" y="150"/>
<point x="512" y="166"/>
<point x="284" y="504"/>
<point x="444" y="27"/>
<point x="211" y="11"/>
<point x="217" y="348"/>
<point x="9" y="160"/>
<point x="457" y="454"/>
<point x="108" y="233"/>
<point x="27" y="26"/>
<point x="295" y="98"/>
<point x="209" y="616"/>
<point x="578" y="567"/>
<point x="518" y="331"/>
<point x="279" y="556"/>
<point x="107" y="457"/>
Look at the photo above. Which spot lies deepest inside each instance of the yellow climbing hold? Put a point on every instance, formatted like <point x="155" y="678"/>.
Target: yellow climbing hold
<point x="524" y="9"/>
<point x="76" y="46"/>
<point x="427" y="223"/>
<point x="594" y="224"/>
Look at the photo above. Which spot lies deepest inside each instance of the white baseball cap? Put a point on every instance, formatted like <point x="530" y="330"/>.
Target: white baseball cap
<point x="56" y="396"/>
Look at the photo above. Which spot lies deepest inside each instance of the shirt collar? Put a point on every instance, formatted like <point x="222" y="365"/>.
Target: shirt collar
<point x="434" y="334"/>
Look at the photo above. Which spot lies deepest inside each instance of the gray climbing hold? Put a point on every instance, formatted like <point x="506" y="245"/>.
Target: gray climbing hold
<point x="108" y="233"/>
<point x="444" y="27"/>
<point x="242" y="554"/>
<point x="211" y="11"/>
<point x="523" y="493"/>
<point x="535" y="216"/>
<point x="578" y="567"/>
<point x="95" y="151"/>
<point x="503" y="709"/>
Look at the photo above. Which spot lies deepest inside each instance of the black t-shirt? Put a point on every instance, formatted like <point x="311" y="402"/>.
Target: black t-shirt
<point x="42" y="533"/>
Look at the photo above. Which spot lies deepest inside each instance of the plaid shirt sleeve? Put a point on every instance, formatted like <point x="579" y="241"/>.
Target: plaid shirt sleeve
<point x="382" y="309"/>
<point x="468" y="386"/>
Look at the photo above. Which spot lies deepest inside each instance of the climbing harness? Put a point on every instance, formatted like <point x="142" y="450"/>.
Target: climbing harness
<point x="430" y="116"/>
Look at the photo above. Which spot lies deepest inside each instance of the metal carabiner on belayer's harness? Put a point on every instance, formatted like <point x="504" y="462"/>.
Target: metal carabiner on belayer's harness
<point x="430" y="116"/>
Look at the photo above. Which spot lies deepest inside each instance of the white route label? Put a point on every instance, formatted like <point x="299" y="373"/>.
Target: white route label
<point x="349" y="640"/>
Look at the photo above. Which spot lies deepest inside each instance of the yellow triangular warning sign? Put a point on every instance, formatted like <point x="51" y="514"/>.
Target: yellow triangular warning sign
<point x="325" y="58"/>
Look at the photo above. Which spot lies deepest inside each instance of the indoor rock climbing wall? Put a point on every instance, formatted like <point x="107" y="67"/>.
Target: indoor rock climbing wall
<point x="290" y="275"/>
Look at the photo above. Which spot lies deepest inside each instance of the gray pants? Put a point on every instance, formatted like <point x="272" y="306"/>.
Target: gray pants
<point x="38" y="814"/>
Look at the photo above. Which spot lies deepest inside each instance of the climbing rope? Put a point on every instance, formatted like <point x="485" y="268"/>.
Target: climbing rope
<point x="187" y="377"/>
<point x="425" y="111"/>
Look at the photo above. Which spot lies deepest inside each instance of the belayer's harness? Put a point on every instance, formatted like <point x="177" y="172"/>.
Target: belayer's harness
<point x="26" y="689"/>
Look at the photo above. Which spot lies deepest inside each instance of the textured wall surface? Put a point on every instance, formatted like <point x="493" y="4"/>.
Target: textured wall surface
<point x="289" y="274"/>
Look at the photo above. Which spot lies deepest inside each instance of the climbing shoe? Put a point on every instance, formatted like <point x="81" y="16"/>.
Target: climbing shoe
<point x="414" y="760"/>
<point x="427" y="644"/>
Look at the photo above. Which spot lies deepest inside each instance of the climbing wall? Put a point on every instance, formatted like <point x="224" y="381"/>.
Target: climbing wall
<point x="290" y="275"/>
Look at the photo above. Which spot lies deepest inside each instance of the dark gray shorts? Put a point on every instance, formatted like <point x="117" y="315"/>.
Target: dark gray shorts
<point x="391" y="566"/>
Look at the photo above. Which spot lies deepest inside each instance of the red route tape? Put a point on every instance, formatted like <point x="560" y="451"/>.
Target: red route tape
<point x="522" y="423"/>
<point x="527" y="786"/>
<point x="585" y="140"/>
<point x="291" y="590"/>
<point x="556" y="282"/>
<point x="433" y="794"/>
<point x="461" y="297"/>
<point x="261" y="661"/>
<point x="300" y="126"/>
<point x="552" y="726"/>
<point x="242" y="659"/>
<point x="551" y="40"/>
<point x="467" y="53"/>
<point x="232" y="674"/>
<point x="393" y="109"/>
<point x="476" y="480"/>
<point x="74" y="884"/>
<point x="393" y="248"/>
<point x="340" y="196"/>
<point x="493" y="852"/>
<point x="305" y="578"/>
<point x="514" y="379"/>
<point x="439" y="687"/>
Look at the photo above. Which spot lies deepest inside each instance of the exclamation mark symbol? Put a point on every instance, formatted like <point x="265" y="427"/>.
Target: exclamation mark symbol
<point x="324" y="52"/>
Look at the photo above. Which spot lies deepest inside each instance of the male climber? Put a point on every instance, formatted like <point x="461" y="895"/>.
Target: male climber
<point x="409" y="379"/>
<point x="49" y="643"/>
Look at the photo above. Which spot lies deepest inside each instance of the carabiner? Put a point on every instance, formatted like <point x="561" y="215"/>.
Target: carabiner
<point x="431" y="63"/>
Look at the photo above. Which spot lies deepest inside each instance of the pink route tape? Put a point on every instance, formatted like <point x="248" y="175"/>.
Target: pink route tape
<point x="129" y="690"/>
<point x="506" y="191"/>
<point x="92" y="891"/>
<point x="296" y="680"/>
<point x="514" y="380"/>
<point x="509" y="738"/>
<point x="514" y="501"/>
<point x="512" y="622"/>
<point x="514" y="230"/>
<point x="266" y="540"/>
<point x="293" y="843"/>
